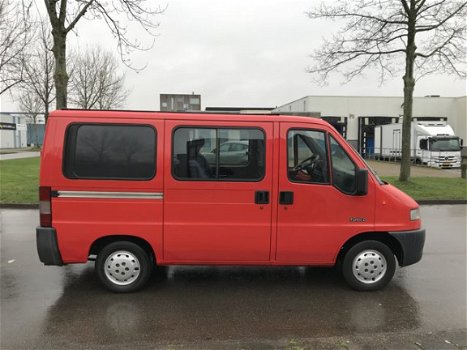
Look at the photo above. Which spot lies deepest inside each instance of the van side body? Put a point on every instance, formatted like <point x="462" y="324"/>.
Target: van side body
<point x="214" y="189"/>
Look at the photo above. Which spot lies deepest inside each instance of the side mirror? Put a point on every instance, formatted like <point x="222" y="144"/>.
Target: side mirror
<point x="362" y="182"/>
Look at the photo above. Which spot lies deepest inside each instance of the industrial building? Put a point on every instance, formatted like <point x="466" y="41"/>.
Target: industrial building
<point x="355" y="117"/>
<point x="180" y="102"/>
<point x="18" y="130"/>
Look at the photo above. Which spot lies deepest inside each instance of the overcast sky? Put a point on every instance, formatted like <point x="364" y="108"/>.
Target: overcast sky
<point x="239" y="53"/>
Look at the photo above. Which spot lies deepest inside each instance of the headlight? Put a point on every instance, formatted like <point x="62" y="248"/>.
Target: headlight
<point x="415" y="214"/>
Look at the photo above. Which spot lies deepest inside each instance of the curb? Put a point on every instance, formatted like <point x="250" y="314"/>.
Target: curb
<point x="441" y="201"/>
<point x="420" y="202"/>
<point x="19" y="206"/>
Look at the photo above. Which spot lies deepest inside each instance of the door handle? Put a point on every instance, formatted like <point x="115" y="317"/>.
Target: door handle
<point x="262" y="197"/>
<point x="286" y="197"/>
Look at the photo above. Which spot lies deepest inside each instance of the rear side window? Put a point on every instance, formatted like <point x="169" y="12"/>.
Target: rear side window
<point x="113" y="152"/>
<point x="218" y="154"/>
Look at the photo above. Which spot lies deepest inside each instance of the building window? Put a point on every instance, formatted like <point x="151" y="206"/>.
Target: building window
<point x="218" y="154"/>
<point x="110" y="152"/>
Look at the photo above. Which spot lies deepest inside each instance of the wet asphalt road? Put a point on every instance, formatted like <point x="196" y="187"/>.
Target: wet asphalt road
<point x="207" y="307"/>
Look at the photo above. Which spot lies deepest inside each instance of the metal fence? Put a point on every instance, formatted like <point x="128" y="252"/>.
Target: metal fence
<point x="418" y="157"/>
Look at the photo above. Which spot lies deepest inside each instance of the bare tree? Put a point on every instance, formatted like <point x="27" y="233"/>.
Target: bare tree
<point x="428" y="34"/>
<point x="64" y="16"/>
<point x="38" y="68"/>
<point x="15" y="36"/>
<point x="95" y="82"/>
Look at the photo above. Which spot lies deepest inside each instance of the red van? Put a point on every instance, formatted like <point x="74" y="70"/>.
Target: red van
<point x="135" y="189"/>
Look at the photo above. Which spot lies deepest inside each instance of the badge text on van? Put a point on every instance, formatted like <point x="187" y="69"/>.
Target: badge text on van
<point x="351" y="219"/>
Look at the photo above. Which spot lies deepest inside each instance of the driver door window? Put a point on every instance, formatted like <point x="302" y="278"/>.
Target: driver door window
<point x="307" y="156"/>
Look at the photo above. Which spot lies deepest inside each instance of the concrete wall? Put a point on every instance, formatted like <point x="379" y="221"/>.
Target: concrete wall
<point x="459" y="118"/>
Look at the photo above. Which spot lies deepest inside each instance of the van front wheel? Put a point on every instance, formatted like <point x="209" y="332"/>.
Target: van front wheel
<point x="123" y="267"/>
<point x="369" y="265"/>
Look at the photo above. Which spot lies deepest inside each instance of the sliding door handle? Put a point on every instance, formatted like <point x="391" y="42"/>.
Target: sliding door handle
<point x="262" y="197"/>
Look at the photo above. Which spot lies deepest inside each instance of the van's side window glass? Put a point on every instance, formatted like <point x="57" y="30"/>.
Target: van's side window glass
<point x="343" y="169"/>
<point x="218" y="154"/>
<point x="307" y="156"/>
<point x="115" y="152"/>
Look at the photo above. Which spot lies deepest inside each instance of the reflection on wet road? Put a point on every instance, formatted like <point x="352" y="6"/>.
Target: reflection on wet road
<point x="65" y="307"/>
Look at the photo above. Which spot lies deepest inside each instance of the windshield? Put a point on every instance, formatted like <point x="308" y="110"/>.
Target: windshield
<point x="445" y="144"/>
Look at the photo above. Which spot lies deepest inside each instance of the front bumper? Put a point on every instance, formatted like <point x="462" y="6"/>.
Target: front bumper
<point x="412" y="243"/>
<point x="47" y="246"/>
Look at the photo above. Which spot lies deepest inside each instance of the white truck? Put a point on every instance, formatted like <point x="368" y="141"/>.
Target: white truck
<point x="433" y="143"/>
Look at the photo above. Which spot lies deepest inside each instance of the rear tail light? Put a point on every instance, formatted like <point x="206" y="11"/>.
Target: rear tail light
<point x="45" y="206"/>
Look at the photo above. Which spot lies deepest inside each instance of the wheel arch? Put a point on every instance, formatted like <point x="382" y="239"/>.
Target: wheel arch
<point x="383" y="237"/>
<point x="101" y="242"/>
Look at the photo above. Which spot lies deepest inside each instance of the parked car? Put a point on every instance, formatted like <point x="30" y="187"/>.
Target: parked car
<point x="132" y="190"/>
<point x="230" y="153"/>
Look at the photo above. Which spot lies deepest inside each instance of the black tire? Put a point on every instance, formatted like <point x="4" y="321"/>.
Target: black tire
<point x="128" y="269"/>
<point x="369" y="272"/>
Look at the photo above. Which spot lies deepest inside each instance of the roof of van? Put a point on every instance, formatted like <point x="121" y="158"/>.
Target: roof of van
<point x="125" y="114"/>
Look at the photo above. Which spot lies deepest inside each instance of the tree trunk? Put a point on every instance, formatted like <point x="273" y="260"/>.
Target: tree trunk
<point x="409" y="84"/>
<point x="60" y="74"/>
<point x="46" y="112"/>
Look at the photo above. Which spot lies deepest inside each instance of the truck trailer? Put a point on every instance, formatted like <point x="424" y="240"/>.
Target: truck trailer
<point x="433" y="143"/>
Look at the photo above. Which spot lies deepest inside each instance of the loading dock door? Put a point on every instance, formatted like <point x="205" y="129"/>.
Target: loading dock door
<point x="366" y="133"/>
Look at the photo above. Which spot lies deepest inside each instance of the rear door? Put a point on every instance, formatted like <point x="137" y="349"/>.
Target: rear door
<point x="217" y="205"/>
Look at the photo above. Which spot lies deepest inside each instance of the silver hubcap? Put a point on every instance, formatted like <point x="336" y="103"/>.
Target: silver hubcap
<point x="369" y="266"/>
<point x="122" y="267"/>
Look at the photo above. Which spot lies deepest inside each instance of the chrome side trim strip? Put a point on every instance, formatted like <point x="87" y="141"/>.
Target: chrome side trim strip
<point x="110" y="195"/>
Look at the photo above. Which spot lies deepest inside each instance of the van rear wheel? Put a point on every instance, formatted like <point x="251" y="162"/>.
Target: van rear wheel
<point x="369" y="265"/>
<point x="123" y="267"/>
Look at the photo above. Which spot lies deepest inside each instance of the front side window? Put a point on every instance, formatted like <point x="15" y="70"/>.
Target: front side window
<point x="307" y="156"/>
<point x="116" y="152"/>
<point x="343" y="169"/>
<point x="218" y="154"/>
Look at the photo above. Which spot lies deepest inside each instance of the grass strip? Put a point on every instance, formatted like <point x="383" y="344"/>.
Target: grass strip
<point x="19" y="180"/>
<point x="432" y="188"/>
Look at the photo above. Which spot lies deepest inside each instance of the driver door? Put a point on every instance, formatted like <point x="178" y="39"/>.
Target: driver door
<point x="315" y="207"/>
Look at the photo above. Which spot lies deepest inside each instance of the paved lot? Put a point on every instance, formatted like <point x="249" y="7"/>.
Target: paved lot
<point x="19" y="155"/>
<point x="187" y="307"/>
<point x="392" y="169"/>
